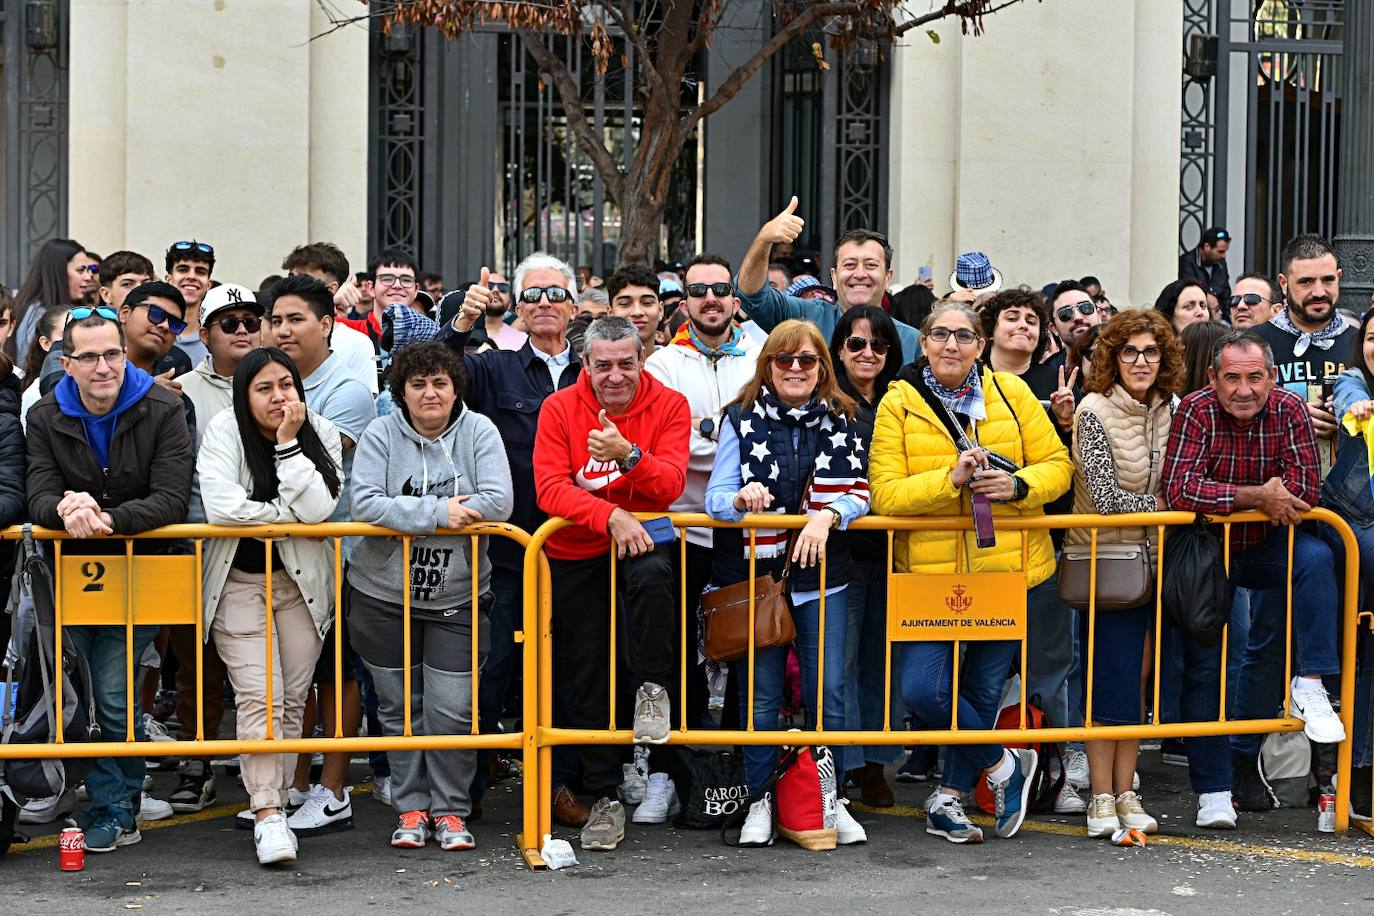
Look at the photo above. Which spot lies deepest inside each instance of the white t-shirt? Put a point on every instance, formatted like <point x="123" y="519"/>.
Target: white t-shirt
<point x="355" y="351"/>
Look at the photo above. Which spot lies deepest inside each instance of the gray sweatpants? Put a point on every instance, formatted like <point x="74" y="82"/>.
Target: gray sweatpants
<point x="440" y="704"/>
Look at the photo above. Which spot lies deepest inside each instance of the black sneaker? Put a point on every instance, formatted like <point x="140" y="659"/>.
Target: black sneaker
<point x="196" y="790"/>
<point x="1249" y="791"/>
<point x="1360" y="791"/>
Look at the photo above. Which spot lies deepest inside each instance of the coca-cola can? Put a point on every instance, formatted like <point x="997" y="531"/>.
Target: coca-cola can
<point x="71" y="849"/>
<point x="1326" y="814"/>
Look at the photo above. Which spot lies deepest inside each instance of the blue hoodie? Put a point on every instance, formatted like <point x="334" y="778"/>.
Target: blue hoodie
<point x="100" y="429"/>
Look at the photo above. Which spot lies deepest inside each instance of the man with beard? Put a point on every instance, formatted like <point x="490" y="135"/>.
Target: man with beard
<point x="1072" y="312"/>
<point x="494" y="321"/>
<point x="709" y="360"/>
<point x="1309" y="339"/>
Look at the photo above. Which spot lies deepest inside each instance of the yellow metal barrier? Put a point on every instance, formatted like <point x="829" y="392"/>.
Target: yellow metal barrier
<point x="134" y="590"/>
<point x="906" y="589"/>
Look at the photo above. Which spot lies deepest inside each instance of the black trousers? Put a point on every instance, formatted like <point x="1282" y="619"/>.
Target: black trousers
<point x="647" y="636"/>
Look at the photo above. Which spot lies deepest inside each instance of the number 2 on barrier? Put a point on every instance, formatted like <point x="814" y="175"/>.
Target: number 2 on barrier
<point x="94" y="590"/>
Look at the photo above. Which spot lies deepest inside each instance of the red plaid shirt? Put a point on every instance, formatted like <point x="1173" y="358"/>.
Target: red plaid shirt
<point x="1210" y="455"/>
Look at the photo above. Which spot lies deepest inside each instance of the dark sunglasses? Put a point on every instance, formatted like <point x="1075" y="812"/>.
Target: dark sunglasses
<point x="788" y="360"/>
<point x="1065" y="312"/>
<point x="188" y="246"/>
<point x="231" y="325"/>
<point x="532" y="294"/>
<point x="159" y="315"/>
<point x="1251" y="299"/>
<point x="82" y="312"/>
<point x="856" y="345"/>
<point x="721" y="290"/>
<point x="499" y="287"/>
<point x="93" y="268"/>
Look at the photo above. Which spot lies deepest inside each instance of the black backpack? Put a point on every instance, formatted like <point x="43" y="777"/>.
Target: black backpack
<point x="28" y="711"/>
<point x="1197" y="594"/>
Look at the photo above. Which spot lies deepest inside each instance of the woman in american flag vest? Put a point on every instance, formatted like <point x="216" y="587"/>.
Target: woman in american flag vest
<point x="788" y="444"/>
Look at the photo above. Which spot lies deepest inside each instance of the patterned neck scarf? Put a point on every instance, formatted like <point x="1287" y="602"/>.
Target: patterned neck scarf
<point x="687" y="337"/>
<point x="967" y="400"/>
<point x="1322" y="339"/>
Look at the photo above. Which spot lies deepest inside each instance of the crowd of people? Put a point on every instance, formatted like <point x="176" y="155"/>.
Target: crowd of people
<point x="325" y="395"/>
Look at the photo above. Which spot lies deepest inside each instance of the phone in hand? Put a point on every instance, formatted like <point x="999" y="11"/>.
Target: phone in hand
<point x="660" y="530"/>
<point x="923" y="273"/>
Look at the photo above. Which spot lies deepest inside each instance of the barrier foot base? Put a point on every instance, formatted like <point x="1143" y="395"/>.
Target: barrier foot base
<point x="531" y="853"/>
<point x="1366" y="826"/>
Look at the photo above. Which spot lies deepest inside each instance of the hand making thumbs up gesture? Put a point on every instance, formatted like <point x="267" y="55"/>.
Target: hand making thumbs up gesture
<point x="606" y="443"/>
<point x="475" y="302"/>
<point x="785" y="227"/>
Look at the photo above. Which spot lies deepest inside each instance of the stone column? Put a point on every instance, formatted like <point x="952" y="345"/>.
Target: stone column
<point x="1355" y="179"/>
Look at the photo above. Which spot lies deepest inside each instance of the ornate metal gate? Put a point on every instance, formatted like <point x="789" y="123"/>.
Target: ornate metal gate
<point x="35" y="129"/>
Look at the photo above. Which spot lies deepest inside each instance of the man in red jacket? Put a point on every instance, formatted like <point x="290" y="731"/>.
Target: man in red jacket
<point x="614" y="443"/>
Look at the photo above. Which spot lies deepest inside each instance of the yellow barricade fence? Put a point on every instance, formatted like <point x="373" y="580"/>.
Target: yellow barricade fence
<point x="131" y="588"/>
<point x="913" y="600"/>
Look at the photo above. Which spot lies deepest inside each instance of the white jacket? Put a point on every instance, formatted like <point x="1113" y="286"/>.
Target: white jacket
<point x="301" y="497"/>
<point x="707" y="388"/>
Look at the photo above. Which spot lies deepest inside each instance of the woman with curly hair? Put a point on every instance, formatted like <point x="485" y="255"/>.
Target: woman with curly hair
<point x="1120" y="431"/>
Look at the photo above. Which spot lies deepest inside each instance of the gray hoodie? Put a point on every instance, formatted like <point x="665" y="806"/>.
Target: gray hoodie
<point x="403" y="481"/>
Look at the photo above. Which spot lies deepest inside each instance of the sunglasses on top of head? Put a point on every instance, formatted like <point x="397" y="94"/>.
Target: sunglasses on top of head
<point x="82" y="312"/>
<point x="532" y="294"/>
<point x="193" y="245"/>
<point x="1065" y="312"/>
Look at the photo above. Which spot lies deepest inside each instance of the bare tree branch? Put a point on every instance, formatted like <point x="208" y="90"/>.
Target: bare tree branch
<point x="644" y="58"/>
<point x="961" y="8"/>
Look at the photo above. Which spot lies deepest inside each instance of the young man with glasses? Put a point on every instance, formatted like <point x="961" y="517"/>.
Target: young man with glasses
<point x="494" y="316"/>
<point x="394" y="282"/>
<point x="1253" y="300"/>
<point x="189" y="265"/>
<point x="231" y="326"/>
<point x="109" y="453"/>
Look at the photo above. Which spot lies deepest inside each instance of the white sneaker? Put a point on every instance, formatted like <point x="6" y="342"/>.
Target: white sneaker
<point x="1214" y="809"/>
<point x="1069" y="801"/>
<point x="1135" y="781"/>
<point x="1132" y="814"/>
<point x="652" y="710"/>
<point x="153" y="809"/>
<point x="1076" y="770"/>
<point x="633" y="785"/>
<point x="154" y="730"/>
<point x="47" y="810"/>
<point x="758" y="826"/>
<point x="1313" y="707"/>
<point x="1102" y="817"/>
<point x="660" y="801"/>
<point x="322" y="813"/>
<point x="381" y="789"/>
<point x="273" y="840"/>
<point x="850" y="830"/>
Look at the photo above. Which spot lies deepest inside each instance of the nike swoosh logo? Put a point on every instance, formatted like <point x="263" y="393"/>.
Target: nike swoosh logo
<point x="332" y="812"/>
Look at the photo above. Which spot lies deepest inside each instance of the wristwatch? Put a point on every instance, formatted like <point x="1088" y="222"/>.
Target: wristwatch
<point x="835" y="522"/>
<point x="629" y="461"/>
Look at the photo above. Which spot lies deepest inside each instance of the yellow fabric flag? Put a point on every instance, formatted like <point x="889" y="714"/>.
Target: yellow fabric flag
<point x="1364" y="428"/>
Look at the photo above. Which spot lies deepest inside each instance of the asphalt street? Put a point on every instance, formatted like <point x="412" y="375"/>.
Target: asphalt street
<point x="1275" y="863"/>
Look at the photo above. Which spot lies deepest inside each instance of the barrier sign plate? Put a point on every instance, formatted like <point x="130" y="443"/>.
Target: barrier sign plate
<point x="939" y="607"/>
<point x="94" y="590"/>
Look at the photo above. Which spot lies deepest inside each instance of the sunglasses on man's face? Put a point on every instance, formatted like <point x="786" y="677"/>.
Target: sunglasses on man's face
<point x="699" y="290"/>
<point x="231" y="324"/>
<point x="499" y="287"/>
<point x="532" y="294"/>
<point x="93" y="268"/>
<point x="1065" y="312"/>
<point x="159" y="315"/>
<point x="788" y="360"/>
<point x="856" y="344"/>
<point x="1250" y="299"/>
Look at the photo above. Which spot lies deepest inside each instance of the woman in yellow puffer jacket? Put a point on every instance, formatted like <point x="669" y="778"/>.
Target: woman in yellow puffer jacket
<point x="1007" y="450"/>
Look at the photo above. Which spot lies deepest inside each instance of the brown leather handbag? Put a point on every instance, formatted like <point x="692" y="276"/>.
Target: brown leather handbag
<point x="1125" y="578"/>
<point x="725" y="616"/>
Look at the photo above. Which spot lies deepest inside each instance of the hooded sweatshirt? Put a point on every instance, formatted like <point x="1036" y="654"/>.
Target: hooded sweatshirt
<point x="100" y="428"/>
<point x="404" y="481"/>
<point x="569" y="483"/>
<point x="209" y="392"/>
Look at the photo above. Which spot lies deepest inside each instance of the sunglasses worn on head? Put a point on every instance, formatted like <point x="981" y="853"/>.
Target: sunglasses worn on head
<point x="856" y="344"/>
<point x="187" y="246"/>
<point x="499" y="287"/>
<point x="82" y="312"/>
<point x="788" y="360"/>
<point x="1065" y="312"/>
<point x="721" y="290"/>
<point x="1251" y="299"/>
<point x="231" y="324"/>
<point x="532" y="294"/>
<point x="159" y="315"/>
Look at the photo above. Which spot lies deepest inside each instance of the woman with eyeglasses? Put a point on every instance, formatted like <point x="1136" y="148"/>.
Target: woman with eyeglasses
<point x="953" y="437"/>
<point x="867" y="355"/>
<point x="60" y="277"/>
<point x="1121" y="430"/>
<point x="789" y="444"/>
<point x="1183" y="302"/>
<point x="269" y="460"/>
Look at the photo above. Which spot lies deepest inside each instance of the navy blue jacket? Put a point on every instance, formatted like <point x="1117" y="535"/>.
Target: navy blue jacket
<point x="509" y="386"/>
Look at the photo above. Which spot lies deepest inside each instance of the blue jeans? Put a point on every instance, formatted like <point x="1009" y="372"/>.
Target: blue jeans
<point x="1195" y="696"/>
<point x="1364" y="656"/>
<point x="865" y="665"/>
<point x="115" y="782"/>
<point x="1264" y="570"/>
<point x="926" y="673"/>
<point x="1050" y="626"/>
<point x="770" y="667"/>
<point x="1118" y="660"/>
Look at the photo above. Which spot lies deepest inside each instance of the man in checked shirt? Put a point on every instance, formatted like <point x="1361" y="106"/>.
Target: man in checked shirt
<point x="1245" y="443"/>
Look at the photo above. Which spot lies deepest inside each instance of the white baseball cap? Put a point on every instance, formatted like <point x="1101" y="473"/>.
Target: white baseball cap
<point x="228" y="296"/>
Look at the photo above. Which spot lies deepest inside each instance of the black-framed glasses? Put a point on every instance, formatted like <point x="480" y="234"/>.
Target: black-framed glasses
<point x="1250" y="299"/>
<point x="232" y="323"/>
<point x="856" y="344"/>
<point x="159" y="315"/>
<point x="193" y="245"/>
<point x="1065" y="312"/>
<point x="113" y="358"/>
<point x="404" y="281"/>
<point x="962" y="335"/>
<point x="532" y="294"/>
<point x="721" y="290"/>
<point x="82" y="312"/>
<point x="499" y="287"/>
<point x="789" y="360"/>
<point x="1131" y="355"/>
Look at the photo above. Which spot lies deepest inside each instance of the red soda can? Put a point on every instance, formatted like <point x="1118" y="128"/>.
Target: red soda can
<point x="71" y="849"/>
<point x="1326" y="813"/>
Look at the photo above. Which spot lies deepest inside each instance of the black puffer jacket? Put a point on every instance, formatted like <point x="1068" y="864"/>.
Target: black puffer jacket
<point x="13" y="508"/>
